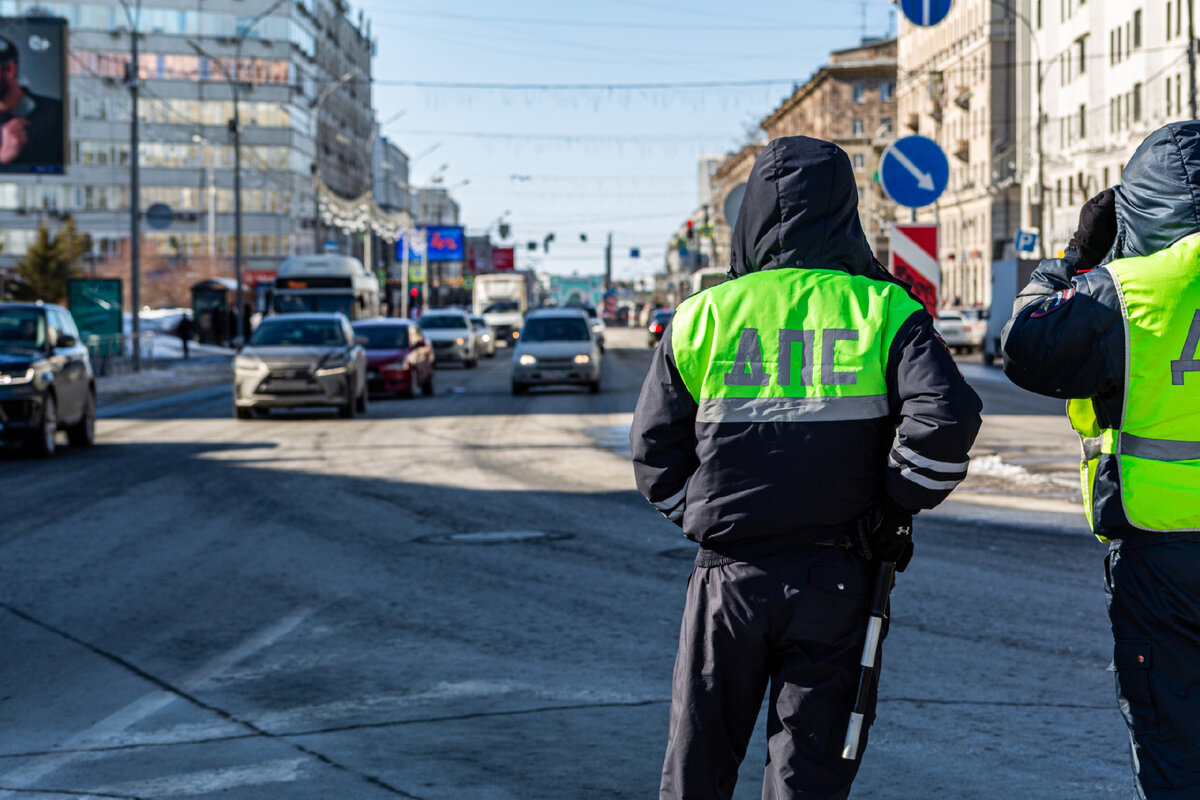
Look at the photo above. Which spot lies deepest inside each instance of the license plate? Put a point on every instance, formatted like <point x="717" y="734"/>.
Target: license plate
<point x="289" y="386"/>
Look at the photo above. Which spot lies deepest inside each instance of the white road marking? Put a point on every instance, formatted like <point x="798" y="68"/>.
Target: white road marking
<point x="108" y="730"/>
<point x="189" y="784"/>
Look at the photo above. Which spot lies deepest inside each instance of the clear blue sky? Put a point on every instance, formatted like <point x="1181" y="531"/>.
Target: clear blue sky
<point x="591" y="161"/>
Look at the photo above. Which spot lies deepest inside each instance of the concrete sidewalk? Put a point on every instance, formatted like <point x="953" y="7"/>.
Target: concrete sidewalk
<point x="164" y="379"/>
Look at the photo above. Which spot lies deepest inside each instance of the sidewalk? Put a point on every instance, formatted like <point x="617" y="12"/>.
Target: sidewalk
<point x="1029" y="462"/>
<point x="164" y="378"/>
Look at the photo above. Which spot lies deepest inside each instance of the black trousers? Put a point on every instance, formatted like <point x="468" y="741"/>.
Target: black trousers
<point x="795" y="622"/>
<point x="1153" y="592"/>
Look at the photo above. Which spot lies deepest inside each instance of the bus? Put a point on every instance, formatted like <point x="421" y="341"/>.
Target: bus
<point x="325" y="283"/>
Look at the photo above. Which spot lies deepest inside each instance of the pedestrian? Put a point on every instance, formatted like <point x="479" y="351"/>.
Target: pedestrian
<point x="1113" y="327"/>
<point x="185" y="331"/>
<point x="794" y="419"/>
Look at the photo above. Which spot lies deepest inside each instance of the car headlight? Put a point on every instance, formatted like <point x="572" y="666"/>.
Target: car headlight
<point x="332" y="365"/>
<point x="486" y="338"/>
<point x="8" y="380"/>
<point x="582" y="358"/>
<point x="515" y="334"/>
<point x="460" y="340"/>
<point x="249" y="364"/>
<point x="527" y="360"/>
<point x="397" y="366"/>
<point x="597" y="327"/>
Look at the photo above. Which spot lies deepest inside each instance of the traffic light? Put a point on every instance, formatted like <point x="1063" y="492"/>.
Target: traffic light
<point x="691" y="231"/>
<point x="414" y="293"/>
<point x="546" y="242"/>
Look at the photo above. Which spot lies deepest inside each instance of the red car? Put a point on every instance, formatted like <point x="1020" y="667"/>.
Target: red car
<point x="399" y="357"/>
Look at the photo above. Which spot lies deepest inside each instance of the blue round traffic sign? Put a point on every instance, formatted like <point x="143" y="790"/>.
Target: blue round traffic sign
<point x="925" y="12"/>
<point x="159" y="216"/>
<point x="914" y="171"/>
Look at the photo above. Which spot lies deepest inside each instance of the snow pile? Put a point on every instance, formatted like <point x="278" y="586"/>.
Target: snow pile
<point x="996" y="474"/>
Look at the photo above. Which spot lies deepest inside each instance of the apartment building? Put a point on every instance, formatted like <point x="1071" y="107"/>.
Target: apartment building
<point x="1110" y="74"/>
<point x="851" y="101"/>
<point x="957" y="86"/>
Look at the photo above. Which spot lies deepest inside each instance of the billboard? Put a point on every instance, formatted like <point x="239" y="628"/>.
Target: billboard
<point x="503" y="259"/>
<point x="444" y="243"/>
<point x="33" y="95"/>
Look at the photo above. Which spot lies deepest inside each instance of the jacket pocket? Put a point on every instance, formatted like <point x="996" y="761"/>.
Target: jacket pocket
<point x="1132" y="662"/>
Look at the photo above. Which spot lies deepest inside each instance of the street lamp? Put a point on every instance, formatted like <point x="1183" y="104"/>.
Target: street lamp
<point x="236" y="129"/>
<point x="132" y="76"/>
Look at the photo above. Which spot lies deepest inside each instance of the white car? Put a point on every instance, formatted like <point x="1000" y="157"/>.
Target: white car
<point x="959" y="332"/>
<point x="452" y="336"/>
<point x="557" y="347"/>
<point x="484" y="336"/>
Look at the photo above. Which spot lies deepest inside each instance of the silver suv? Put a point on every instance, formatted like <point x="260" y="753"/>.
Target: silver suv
<point x="298" y="360"/>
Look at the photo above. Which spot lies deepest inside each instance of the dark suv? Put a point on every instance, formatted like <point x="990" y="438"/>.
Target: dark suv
<point x="46" y="381"/>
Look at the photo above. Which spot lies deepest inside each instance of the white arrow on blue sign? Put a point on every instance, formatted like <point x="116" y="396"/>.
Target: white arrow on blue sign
<point x="925" y="12"/>
<point x="914" y="171"/>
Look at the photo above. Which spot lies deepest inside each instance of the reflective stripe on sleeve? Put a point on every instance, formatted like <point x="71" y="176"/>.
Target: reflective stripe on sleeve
<point x="791" y="409"/>
<point x="669" y="505"/>
<point x="1159" y="449"/>
<point x="910" y="474"/>
<point x="918" y="460"/>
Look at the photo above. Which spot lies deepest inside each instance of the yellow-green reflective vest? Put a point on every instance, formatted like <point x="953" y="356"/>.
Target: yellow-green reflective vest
<point x="1157" y="441"/>
<point x="790" y="345"/>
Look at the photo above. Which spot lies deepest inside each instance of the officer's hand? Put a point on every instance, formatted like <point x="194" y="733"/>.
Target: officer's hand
<point x="887" y="536"/>
<point x="1097" y="229"/>
<point x="14" y="135"/>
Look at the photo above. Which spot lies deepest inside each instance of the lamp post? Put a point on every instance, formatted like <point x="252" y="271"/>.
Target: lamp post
<point x="132" y="76"/>
<point x="235" y="128"/>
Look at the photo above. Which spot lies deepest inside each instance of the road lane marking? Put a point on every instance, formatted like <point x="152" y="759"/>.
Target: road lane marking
<point x="112" y="726"/>
<point x="189" y="784"/>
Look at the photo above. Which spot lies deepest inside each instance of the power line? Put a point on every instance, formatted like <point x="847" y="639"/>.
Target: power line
<point x="620" y="25"/>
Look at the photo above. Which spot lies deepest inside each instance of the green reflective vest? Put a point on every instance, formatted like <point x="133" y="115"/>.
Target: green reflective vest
<point x="790" y="345"/>
<point x="1157" y="441"/>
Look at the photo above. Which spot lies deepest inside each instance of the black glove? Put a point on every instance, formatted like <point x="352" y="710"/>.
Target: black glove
<point x="1097" y="229"/>
<point x="886" y="535"/>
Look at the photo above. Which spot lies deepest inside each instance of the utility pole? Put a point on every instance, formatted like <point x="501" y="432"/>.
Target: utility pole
<point x="236" y="129"/>
<point x="132" y="76"/>
<point x="1191" y="62"/>
<point x="608" y="266"/>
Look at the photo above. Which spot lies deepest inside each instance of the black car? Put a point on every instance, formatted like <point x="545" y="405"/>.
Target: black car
<point x="658" y="324"/>
<point x="46" y="380"/>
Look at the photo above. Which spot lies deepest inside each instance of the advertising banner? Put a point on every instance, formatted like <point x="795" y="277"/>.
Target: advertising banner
<point x="504" y="259"/>
<point x="33" y="95"/>
<point x="444" y="243"/>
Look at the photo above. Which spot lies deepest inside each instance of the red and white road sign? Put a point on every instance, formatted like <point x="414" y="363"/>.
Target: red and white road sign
<point x="914" y="259"/>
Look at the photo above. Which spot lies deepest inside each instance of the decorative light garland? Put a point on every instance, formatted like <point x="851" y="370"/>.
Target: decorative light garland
<point x="359" y="214"/>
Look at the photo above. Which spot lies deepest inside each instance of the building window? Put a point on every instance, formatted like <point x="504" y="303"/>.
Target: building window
<point x="859" y="162"/>
<point x="1104" y="178"/>
<point x="1137" y="102"/>
<point x="858" y="93"/>
<point x="1169" y="18"/>
<point x="1081" y="48"/>
<point x="1178" y="93"/>
<point x="1082" y="121"/>
<point x="1058" y="193"/>
<point x="857" y="127"/>
<point x="887" y="91"/>
<point x="885" y="126"/>
<point x="1112" y="47"/>
<point x="1178" y="17"/>
<point x="1168" y="95"/>
<point x="1137" y="29"/>
<point x="1039" y="14"/>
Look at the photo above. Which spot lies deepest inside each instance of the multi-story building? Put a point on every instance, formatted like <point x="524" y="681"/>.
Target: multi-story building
<point x="851" y="101"/>
<point x="186" y="63"/>
<point x="956" y="85"/>
<point x="732" y="173"/>
<point x="1110" y="73"/>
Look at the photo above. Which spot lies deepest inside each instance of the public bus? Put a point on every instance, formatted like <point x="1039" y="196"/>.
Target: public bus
<point x="326" y="283"/>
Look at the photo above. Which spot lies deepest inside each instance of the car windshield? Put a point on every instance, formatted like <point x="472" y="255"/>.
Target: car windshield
<point x="441" y="322"/>
<point x="284" y="332"/>
<point x="478" y="322"/>
<point x="949" y="318"/>
<point x="589" y="310"/>
<point x="22" y="329"/>
<point x="325" y="303"/>
<point x="384" y="337"/>
<point x="502" y="306"/>
<point x="556" y="329"/>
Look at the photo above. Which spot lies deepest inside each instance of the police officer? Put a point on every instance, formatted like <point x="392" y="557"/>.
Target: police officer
<point x="1114" y="327"/>
<point x="767" y="429"/>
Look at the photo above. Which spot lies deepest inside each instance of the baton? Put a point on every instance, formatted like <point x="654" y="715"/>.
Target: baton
<point x="884" y="581"/>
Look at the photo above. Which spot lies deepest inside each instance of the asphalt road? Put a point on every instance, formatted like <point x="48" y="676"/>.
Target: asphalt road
<point x="462" y="597"/>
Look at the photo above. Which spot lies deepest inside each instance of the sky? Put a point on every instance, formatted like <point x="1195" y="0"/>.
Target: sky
<point x="541" y="121"/>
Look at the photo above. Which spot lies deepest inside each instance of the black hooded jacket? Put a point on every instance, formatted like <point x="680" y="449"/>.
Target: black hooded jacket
<point x="1067" y="334"/>
<point x="744" y="488"/>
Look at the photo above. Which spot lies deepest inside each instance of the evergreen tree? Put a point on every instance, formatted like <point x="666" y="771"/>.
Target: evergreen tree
<point x="50" y="261"/>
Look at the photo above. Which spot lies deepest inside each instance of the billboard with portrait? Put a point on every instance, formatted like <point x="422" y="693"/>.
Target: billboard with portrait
<point x="33" y="95"/>
<point x="444" y="243"/>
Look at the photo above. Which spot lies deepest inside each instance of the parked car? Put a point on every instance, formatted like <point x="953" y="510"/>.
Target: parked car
<point x="301" y="360"/>
<point x="556" y="346"/>
<point x="46" y="379"/>
<point x="450" y="333"/>
<point x="962" y="335"/>
<point x="399" y="358"/>
<point x="658" y="324"/>
<point x="485" y="338"/>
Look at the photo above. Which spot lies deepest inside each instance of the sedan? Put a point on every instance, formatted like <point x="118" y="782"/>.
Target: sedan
<point x="959" y="333"/>
<point x="485" y="338"/>
<point x="658" y="324"/>
<point x="450" y="333"/>
<point x="556" y="346"/>
<point x="399" y="359"/>
<point x="301" y="360"/>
